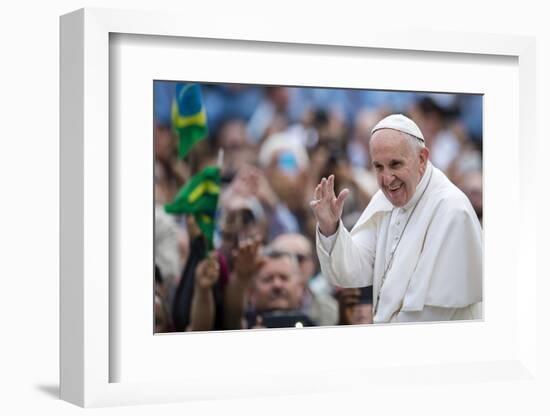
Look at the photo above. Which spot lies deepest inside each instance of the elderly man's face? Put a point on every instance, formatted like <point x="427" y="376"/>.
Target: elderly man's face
<point x="299" y="246"/>
<point x="399" y="166"/>
<point x="277" y="286"/>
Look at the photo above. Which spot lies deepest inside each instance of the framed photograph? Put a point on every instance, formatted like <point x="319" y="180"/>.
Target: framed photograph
<point x="115" y="68"/>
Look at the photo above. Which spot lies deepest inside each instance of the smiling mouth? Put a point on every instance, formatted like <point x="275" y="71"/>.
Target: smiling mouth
<point x="394" y="188"/>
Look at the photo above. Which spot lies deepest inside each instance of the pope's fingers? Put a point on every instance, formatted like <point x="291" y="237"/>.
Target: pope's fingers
<point x="331" y="186"/>
<point x="342" y="197"/>
<point x="322" y="188"/>
<point x="317" y="192"/>
<point x="327" y="189"/>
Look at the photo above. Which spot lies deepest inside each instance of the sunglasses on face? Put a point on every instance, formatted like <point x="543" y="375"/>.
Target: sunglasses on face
<point x="302" y="257"/>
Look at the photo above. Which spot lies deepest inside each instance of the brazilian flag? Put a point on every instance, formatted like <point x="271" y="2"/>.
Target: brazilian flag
<point x="199" y="197"/>
<point x="188" y="116"/>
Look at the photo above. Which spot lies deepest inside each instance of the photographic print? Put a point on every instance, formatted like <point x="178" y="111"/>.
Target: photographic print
<point x="291" y="207"/>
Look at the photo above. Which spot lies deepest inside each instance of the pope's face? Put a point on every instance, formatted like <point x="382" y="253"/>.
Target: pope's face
<point x="398" y="164"/>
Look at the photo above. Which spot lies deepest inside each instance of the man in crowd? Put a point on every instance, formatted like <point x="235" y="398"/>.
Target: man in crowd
<point x="418" y="242"/>
<point x="318" y="303"/>
<point x="265" y="290"/>
<point x="276" y="294"/>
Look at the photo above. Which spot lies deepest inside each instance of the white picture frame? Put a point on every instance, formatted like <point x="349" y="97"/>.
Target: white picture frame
<point x="87" y="356"/>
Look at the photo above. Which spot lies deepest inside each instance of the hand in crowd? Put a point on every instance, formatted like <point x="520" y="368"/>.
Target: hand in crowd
<point x="255" y="180"/>
<point x="246" y="263"/>
<point x="207" y="272"/>
<point x="247" y="258"/>
<point x="328" y="208"/>
<point x="262" y="189"/>
<point x="259" y="323"/>
<point x="347" y="298"/>
<point x="193" y="228"/>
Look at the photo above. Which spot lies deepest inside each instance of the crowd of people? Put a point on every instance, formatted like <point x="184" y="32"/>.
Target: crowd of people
<point x="278" y="143"/>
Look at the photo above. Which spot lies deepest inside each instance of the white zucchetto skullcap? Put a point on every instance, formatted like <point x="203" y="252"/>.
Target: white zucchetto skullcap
<point x="400" y="123"/>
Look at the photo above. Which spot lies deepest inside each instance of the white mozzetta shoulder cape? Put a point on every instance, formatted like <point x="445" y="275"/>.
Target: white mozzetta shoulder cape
<point x="437" y="263"/>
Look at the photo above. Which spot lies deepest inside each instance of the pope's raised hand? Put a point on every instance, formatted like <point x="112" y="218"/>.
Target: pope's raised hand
<point x="327" y="207"/>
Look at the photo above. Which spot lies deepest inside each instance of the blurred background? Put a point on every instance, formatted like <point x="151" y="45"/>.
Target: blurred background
<point x="260" y="268"/>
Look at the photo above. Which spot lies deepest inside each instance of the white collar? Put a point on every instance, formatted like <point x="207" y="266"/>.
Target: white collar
<point x="419" y="188"/>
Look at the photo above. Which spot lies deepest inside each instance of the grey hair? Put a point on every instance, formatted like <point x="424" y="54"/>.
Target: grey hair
<point x="275" y="254"/>
<point x="416" y="143"/>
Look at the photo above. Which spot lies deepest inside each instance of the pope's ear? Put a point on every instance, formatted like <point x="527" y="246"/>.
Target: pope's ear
<point x="424" y="155"/>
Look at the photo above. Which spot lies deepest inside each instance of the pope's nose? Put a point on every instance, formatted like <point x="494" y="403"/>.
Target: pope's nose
<point x="388" y="179"/>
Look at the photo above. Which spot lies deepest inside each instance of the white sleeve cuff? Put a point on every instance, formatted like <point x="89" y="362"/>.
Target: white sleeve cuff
<point x="326" y="242"/>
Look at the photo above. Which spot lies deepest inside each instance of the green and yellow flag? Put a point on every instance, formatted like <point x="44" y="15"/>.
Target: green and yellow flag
<point x="188" y="116"/>
<point x="199" y="197"/>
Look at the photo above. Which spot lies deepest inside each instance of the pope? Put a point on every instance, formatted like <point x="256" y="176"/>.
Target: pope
<point x="418" y="242"/>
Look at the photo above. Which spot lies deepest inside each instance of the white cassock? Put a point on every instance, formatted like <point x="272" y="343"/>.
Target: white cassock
<point x="435" y="271"/>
